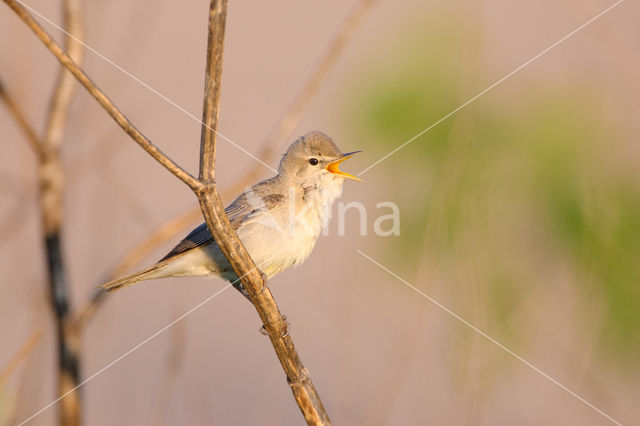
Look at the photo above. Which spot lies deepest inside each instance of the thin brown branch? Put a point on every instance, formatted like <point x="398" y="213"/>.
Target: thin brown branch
<point x="213" y="80"/>
<point x="218" y="223"/>
<point x="16" y="112"/>
<point x="102" y="99"/>
<point x="51" y="185"/>
<point x="65" y="85"/>
<point x="19" y="357"/>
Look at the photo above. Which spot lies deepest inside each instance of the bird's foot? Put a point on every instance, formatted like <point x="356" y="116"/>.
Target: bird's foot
<point x="287" y="324"/>
<point x="264" y="282"/>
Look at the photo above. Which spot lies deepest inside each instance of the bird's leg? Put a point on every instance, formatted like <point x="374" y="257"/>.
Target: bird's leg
<point x="286" y="327"/>
<point x="238" y="286"/>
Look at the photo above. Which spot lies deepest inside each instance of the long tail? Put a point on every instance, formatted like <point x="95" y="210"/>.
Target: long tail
<point x="156" y="271"/>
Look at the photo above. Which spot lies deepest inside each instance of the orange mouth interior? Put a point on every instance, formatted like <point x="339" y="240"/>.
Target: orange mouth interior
<point x="335" y="169"/>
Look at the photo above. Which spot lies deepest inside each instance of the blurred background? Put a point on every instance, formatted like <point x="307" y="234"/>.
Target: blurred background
<point x="520" y="213"/>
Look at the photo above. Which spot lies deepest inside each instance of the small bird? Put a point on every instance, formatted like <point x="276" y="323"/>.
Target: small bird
<point x="278" y="220"/>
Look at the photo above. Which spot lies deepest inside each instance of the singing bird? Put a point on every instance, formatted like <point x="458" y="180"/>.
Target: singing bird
<point x="278" y="220"/>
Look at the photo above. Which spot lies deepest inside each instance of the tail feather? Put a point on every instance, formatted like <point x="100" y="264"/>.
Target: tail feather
<point x="155" y="271"/>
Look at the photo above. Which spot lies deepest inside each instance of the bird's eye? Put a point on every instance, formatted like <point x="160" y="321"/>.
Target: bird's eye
<point x="313" y="161"/>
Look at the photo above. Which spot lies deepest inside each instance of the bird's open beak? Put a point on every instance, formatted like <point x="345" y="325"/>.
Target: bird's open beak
<point x="335" y="169"/>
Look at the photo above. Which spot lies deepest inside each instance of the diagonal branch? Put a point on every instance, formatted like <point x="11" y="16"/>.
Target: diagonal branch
<point x="19" y="357"/>
<point x="218" y="223"/>
<point x="18" y="115"/>
<point x="102" y="99"/>
<point x="253" y="282"/>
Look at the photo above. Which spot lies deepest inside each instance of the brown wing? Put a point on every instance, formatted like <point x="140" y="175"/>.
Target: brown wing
<point x="237" y="212"/>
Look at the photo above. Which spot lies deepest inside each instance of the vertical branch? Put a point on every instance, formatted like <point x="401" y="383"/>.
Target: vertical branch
<point x="51" y="182"/>
<point x="65" y="85"/>
<point x="213" y="80"/>
<point x="253" y="281"/>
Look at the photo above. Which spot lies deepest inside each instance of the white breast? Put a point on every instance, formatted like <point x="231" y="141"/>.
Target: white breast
<point x="288" y="237"/>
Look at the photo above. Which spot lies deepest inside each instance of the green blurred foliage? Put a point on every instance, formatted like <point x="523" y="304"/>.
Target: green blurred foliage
<point x="514" y="179"/>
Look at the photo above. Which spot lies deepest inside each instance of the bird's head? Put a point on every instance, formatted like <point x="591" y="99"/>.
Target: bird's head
<point x="314" y="157"/>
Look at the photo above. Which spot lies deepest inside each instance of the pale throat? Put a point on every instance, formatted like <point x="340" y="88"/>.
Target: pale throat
<point x="325" y="189"/>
